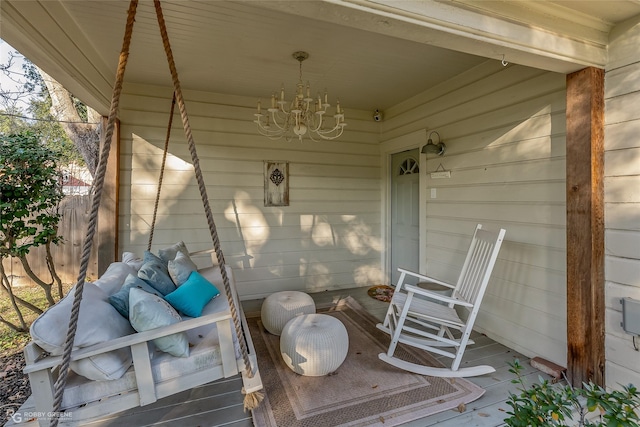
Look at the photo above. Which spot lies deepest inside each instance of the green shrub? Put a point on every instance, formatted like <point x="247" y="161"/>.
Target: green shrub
<point x="547" y="404"/>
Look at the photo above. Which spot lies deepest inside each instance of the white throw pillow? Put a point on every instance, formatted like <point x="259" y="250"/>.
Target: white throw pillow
<point x="98" y="322"/>
<point x="148" y="311"/>
<point x="132" y="259"/>
<point x="112" y="279"/>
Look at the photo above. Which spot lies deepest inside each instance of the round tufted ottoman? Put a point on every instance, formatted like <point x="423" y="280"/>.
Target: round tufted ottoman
<point x="280" y="307"/>
<point x="314" y="344"/>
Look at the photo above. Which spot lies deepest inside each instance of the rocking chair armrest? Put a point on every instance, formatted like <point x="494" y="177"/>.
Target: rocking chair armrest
<point x="130" y="340"/>
<point x="436" y="296"/>
<point x="426" y="278"/>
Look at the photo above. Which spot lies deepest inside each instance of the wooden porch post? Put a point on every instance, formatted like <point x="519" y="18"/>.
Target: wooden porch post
<point x="107" y="233"/>
<point x="585" y="226"/>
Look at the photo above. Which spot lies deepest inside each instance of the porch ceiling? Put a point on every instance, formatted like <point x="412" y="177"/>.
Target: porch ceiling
<point x="373" y="54"/>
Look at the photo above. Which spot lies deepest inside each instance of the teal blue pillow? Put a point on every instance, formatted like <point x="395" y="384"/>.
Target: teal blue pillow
<point x="120" y="300"/>
<point x="191" y="297"/>
<point x="154" y="272"/>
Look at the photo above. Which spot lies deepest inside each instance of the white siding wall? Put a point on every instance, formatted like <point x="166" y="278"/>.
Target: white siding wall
<point x="329" y="236"/>
<point x="622" y="199"/>
<point x="504" y="128"/>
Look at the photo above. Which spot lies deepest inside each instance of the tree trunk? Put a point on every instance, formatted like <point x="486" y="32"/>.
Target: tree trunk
<point x="6" y="287"/>
<point x="12" y="326"/>
<point x="85" y="135"/>
<point x="45" y="286"/>
<point x="52" y="270"/>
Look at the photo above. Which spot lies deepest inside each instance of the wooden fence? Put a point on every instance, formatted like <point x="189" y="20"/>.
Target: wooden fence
<point x="66" y="256"/>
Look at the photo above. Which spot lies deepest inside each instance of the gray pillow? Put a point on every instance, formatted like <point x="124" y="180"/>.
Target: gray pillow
<point x="181" y="268"/>
<point x="120" y="300"/>
<point x="154" y="272"/>
<point x="148" y="311"/>
<point x="169" y="253"/>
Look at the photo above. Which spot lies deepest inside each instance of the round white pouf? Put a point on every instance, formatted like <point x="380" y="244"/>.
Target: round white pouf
<point x="280" y="307"/>
<point x="314" y="344"/>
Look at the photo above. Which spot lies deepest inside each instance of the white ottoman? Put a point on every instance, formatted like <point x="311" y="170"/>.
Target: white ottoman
<point x="314" y="344"/>
<point x="280" y="307"/>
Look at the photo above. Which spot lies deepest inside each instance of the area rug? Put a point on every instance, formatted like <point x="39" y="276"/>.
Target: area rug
<point x="363" y="391"/>
<point x="381" y="292"/>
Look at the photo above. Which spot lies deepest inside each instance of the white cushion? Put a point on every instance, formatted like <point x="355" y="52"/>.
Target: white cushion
<point x="105" y="366"/>
<point x="112" y="279"/>
<point x="132" y="259"/>
<point x="98" y="322"/>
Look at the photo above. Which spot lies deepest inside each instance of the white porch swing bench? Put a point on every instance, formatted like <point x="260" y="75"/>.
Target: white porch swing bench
<point x="153" y="375"/>
<point x="220" y="342"/>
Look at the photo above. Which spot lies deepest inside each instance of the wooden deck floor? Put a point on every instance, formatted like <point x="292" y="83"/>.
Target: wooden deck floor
<point x="220" y="403"/>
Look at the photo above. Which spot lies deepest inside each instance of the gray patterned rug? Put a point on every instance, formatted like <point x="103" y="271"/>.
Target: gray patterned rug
<point x="364" y="391"/>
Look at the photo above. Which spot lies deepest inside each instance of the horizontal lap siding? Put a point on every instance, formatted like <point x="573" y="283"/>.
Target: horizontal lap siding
<point x="622" y="203"/>
<point x="504" y="128"/>
<point x="327" y="238"/>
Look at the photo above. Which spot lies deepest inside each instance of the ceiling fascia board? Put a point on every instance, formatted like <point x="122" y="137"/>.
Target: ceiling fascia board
<point x="449" y="26"/>
<point x="31" y="27"/>
<point x="545" y="14"/>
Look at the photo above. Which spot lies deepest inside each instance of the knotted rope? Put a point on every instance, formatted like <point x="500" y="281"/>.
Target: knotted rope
<point x="251" y="400"/>
<point x="93" y="217"/>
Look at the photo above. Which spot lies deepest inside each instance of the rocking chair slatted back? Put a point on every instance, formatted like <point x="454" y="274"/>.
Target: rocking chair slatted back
<point x="477" y="266"/>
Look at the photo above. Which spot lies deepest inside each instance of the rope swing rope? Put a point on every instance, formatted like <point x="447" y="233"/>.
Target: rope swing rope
<point x="161" y="177"/>
<point x="251" y="399"/>
<point x="61" y="382"/>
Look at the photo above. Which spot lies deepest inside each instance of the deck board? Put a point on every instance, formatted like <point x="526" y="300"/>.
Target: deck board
<point x="219" y="403"/>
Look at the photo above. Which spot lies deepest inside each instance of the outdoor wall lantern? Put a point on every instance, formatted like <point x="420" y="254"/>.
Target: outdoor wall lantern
<point x="430" y="147"/>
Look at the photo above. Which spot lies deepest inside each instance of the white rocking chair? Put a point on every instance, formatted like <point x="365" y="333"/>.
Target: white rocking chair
<point x="414" y="312"/>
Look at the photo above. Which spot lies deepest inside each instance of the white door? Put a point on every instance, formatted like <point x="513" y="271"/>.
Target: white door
<point x="405" y="209"/>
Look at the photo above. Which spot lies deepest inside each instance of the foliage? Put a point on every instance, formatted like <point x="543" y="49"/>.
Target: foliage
<point x="546" y="404"/>
<point x="30" y="191"/>
<point x="51" y="132"/>
<point x="10" y="121"/>
<point x="42" y="121"/>
<point x="29" y="194"/>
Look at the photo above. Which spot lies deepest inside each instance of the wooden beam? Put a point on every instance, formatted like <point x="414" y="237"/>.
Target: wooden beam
<point x="108" y="211"/>
<point x="585" y="226"/>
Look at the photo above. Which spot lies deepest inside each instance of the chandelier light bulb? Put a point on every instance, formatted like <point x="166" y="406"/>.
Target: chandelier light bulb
<point x="304" y="114"/>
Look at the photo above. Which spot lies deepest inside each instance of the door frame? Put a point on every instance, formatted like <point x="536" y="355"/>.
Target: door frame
<point x="388" y="148"/>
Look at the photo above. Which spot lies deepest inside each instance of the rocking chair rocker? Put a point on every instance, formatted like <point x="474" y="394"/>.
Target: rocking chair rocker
<point x="424" y="319"/>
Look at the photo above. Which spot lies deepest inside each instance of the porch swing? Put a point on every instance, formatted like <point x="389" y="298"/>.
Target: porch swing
<point x="222" y="326"/>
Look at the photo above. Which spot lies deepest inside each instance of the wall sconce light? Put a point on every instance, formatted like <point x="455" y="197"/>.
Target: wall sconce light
<point x="430" y="147"/>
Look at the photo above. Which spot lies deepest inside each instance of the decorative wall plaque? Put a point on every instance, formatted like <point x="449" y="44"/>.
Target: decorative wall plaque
<point x="276" y="183"/>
